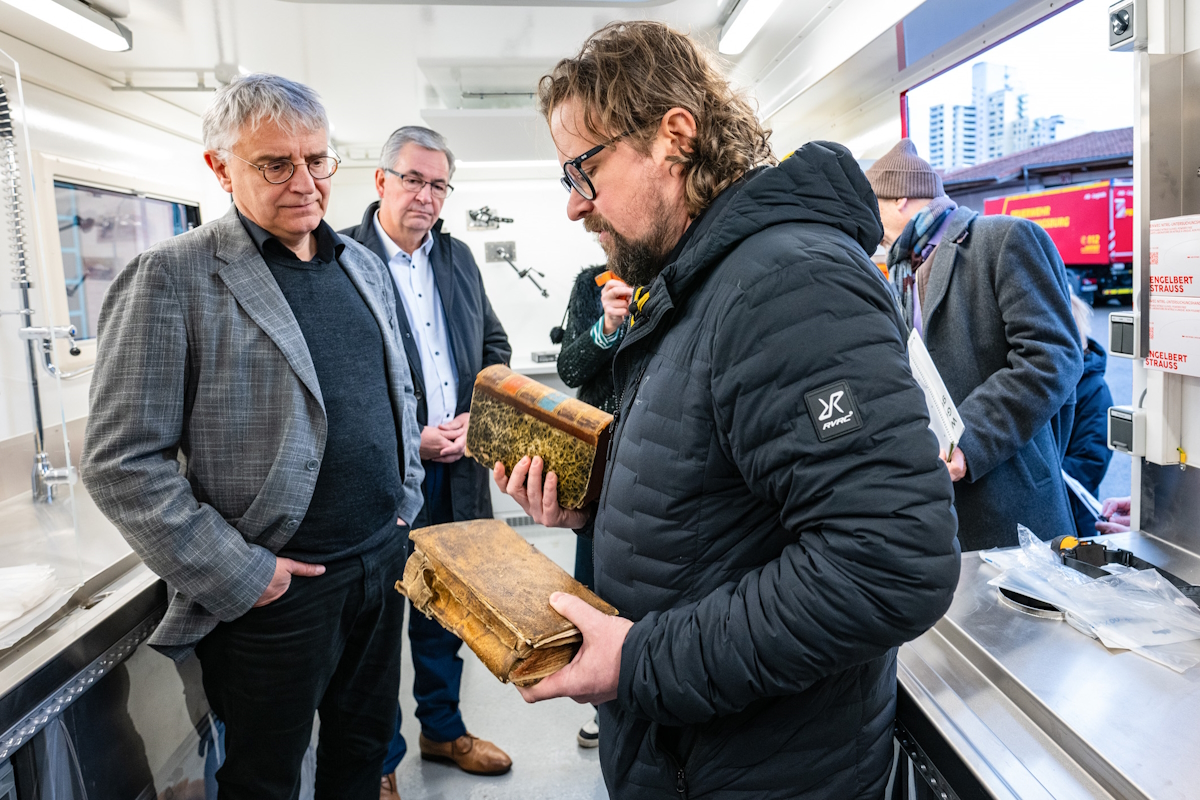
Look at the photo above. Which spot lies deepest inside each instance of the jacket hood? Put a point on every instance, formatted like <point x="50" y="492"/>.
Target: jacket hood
<point x="1094" y="358"/>
<point x="821" y="182"/>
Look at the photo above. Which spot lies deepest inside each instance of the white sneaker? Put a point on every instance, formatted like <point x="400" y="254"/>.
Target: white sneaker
<point x="589" y="734"/>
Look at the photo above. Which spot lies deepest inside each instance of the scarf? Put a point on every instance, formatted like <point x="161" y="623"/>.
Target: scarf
<point x="912" y="249"/>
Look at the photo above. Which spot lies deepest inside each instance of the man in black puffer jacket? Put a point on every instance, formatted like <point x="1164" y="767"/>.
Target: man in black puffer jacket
<point x="775" y="521"/>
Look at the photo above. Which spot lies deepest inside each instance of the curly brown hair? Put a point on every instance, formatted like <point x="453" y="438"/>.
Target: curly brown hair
<point x="628" y="75"/>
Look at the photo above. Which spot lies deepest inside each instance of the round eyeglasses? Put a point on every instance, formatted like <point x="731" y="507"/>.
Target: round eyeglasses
<point x="414" y="183"/>
<point x="281" y="170"/>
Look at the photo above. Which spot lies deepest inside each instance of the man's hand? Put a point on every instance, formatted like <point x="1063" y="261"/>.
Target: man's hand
<point x="285" y="568"/>
<point x="455" y="432"/>
<point x="1118" y="510"/>
<point x="446" y="442"/>
<point x="957" y="464"/>
<point x="594" y="673"/>
<point x="539" y="501"/>
<point x="615" y="297"/>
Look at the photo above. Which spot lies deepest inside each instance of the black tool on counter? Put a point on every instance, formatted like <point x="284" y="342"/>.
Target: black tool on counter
<point x="1090" y="558"/>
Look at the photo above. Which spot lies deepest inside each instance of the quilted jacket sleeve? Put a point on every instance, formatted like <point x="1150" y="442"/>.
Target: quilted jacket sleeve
<point x="129" y="456"/>
<point x="874" y="562"/>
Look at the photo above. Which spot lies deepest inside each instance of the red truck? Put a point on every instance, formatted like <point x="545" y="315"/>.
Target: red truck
<point x="1091" y="224"/>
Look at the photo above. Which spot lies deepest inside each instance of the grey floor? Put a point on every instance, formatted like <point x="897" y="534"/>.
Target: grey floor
<point x="540" y="738"/>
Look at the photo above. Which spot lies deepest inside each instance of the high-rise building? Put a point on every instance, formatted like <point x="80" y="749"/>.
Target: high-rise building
<point x="952" y="143"/>
<point x="997" y="122"/>
<point x="964" y="138"/>
<point x="937" y="136"/>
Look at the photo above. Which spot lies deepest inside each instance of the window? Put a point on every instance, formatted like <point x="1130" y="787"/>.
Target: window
<point x="99" y="232"/>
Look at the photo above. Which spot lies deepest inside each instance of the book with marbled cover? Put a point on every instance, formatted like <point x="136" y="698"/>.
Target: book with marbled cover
<point x="513" y="416"/>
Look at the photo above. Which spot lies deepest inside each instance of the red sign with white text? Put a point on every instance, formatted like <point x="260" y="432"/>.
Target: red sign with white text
<point x="1078" y="219"/>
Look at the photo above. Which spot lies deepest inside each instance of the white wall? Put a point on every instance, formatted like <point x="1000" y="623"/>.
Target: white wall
<point x="123" y="146"/>
<point x="546" y="240"/>
<point x="132" y="140"/>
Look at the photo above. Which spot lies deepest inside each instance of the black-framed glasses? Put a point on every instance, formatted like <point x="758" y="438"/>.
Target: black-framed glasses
<point x="575" y="178"/>
<point x="413" y="183"/>
<point x="281" y="170"/>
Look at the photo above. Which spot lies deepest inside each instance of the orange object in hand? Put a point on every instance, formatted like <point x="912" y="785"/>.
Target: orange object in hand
<point x="605" y="277"/>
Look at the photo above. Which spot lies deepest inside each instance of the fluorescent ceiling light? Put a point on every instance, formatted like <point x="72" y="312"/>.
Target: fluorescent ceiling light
<point x="79" y="19"/>
<point x="744" y="24"/>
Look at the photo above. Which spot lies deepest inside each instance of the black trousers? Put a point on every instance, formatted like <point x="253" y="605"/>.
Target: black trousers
<point x="329" y="644"/>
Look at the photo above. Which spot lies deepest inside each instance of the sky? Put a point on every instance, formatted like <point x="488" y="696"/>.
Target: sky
<point x="1063" y="64"/>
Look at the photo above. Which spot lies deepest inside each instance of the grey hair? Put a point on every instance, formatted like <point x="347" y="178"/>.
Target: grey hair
<point x="248" y="100"/>
<point x="424" y="137"/>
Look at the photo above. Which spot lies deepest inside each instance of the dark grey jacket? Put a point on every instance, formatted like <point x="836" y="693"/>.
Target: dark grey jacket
<point x="771" y="574"/>
<point x="476" y="337"/>
<point x="201" y="357"/>
<point x="998" y="324"/>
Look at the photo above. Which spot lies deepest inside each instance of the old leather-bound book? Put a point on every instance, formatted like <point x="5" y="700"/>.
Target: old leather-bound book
<point x="513" y="416"/>
<point x="491" y="588"/>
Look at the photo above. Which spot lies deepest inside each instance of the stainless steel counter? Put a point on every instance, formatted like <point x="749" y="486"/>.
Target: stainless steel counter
<point x="1032" y="709"/>
<point x="116" y="605"/>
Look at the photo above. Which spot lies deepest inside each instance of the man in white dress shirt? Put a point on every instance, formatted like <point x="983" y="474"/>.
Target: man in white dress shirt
<point x="450" y="333"/>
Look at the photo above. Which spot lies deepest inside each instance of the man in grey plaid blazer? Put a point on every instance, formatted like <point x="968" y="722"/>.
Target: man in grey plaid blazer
<point x="253" y="435"/>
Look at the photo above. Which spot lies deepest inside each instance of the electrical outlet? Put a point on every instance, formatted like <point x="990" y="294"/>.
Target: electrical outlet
<point x="500" y="251"/>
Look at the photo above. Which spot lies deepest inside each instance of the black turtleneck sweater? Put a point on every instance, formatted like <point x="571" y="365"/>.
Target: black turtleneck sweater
<point x="360" y="484"/>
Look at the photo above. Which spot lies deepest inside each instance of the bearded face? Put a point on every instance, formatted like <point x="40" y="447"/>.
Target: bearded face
<point x="637" y="261"/>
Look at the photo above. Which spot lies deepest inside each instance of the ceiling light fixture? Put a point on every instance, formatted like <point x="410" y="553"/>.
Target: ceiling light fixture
<point x="744" y="24"/>
<point x="79" y="19"/>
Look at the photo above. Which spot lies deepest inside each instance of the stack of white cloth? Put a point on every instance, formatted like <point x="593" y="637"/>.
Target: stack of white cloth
<point x="29" y="594"/>
<point x="23" y="588"/>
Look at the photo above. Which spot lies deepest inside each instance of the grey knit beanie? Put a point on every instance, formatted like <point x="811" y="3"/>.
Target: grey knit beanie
<point x="903" y="173"/>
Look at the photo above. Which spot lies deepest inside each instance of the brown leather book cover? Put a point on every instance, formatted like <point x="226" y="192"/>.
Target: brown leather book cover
<point x="513" y="416"/>
<point x="491" y="588"/>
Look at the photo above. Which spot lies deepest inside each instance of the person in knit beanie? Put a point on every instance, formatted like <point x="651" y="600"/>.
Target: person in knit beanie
<point x="915" y="210"/>
<point x="904" y="184"/>
<point x="988" y="295"/>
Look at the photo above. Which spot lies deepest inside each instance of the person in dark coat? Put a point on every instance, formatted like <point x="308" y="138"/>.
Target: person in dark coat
<point x="449" y="333"/>
<point x="774" y="520"/>
<point x="593" y="327"/>
<point x="989" y="296"/>
<point x="1087" y="449"/>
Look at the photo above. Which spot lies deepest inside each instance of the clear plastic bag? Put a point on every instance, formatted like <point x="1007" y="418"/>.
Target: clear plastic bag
<point x="1130" y="609"/>
<point x="23" y="588"/>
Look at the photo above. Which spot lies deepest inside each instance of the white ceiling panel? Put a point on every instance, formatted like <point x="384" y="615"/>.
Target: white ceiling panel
<point x="493" y="134"/>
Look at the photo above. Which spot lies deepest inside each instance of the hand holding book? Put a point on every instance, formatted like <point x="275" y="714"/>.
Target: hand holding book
<point x="538" y="499"/>
<point x="595" y="672"/>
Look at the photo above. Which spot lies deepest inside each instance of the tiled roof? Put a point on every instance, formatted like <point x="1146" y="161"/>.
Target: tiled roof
<point x="1095" y="146"/>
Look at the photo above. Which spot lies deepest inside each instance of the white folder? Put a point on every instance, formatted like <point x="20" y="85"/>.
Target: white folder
<point x="944" y="420"/>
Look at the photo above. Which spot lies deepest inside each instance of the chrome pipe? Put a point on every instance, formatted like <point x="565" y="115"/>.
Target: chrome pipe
<point x="44" y="477"/>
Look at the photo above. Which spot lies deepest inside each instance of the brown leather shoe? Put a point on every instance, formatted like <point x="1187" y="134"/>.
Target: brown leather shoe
<point x="469" y="753"/>
<point x="387" y="788"/>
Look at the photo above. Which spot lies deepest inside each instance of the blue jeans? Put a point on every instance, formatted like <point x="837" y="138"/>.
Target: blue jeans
<point x="437" y="669"/>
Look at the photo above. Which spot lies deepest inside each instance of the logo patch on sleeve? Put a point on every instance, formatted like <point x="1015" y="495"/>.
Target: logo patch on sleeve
<point x="833" y="411"/>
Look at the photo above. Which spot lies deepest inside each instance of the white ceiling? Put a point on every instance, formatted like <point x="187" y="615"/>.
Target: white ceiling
<point x="386" y="63"/>
<point x="364" y="59"/>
